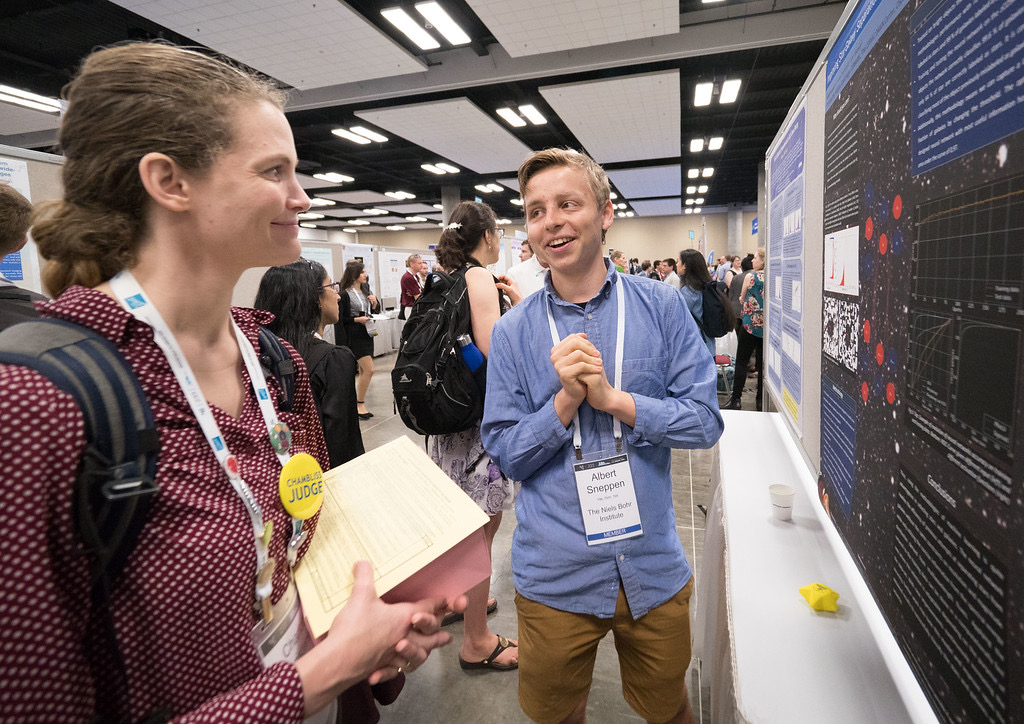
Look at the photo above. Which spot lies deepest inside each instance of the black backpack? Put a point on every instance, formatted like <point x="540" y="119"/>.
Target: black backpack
<point x="115" y="485"/>
<point x="435" y="392"/>
<point x="718" y="319"/>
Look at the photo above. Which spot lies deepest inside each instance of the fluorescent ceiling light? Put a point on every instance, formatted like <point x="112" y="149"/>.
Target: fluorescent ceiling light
<point x="308" y="226"/>
<point x="401" y="20"/>
<point x="317" y="201"/>
<point x="532" y="115"/>
<point x="334" y="178"/>
<point x="693" y="173"/>
<point x="702" y="189"/>
<point x="355" y="138"/>
<point x="630" y="214"/>
<point x="495" y="187"/>
<point x="28" y="104"/>
<point x="359" y="222"/>
<point x="433" y="169"/>
<point x="503" y="222"/>
<point x="621" y="214"/>
<point x="715" y="143"/>
<point x="614" y="196"/>
<point x="517" y="202"/>
<point x="374" y="212"/>
<point x="439" y="207"/>
<point x="415" y="219"/>
<point x="29" y="100"/>
<point x="696" y="209"/>
<point x="730" y="91"/>
<point x="696" y="145"/>
<point x="400" y="195"/>
<point x="447" y="167"/>
<point x="707" y="172"/>
<point x="483" y="189"/>
<point x="689" y="202"/>
<point x="620" y="206"/>
<point x="350" y="231"/>
<point x="395" y="228"/>
<point x="691" y="189"/>
<point x="511" y="117"/>
<point x="310" y="215"/>
<point x="443" y="23"/>
<point x="702" y="94"/>
<point x="687" y="211"/>
<point x="708" y="2"/>
<point x="698" y="201"/>
<point x="372" y="135"/>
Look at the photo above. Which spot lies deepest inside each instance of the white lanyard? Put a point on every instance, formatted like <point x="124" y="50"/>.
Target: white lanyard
<point x="620" y="336"/>
<point x="134" y="300"/>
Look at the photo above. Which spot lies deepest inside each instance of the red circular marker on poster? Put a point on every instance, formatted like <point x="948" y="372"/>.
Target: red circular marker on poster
<point x="879" y="353"/>
<point x="897" y="206"/>
<point x="867" y="331"/>
<point x="869" y="228"/>
<point x="883" y="244"/>
<point x="864" y="390"/>
<point x="890" y="393"/>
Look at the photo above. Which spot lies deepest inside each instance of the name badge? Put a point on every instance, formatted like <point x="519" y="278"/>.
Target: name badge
<point x="607" y="499"/>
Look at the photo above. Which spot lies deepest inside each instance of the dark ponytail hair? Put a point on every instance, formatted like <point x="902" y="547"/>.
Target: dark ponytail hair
<point x="696" y="276"/>
<point x="469" y="222"/>
<point x="292" y="294"/>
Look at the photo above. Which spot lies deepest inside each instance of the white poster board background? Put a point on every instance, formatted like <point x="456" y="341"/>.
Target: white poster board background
<point x="21" y="267"/>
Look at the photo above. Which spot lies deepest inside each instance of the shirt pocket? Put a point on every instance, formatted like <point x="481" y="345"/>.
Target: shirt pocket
<point x="645" y="376"/>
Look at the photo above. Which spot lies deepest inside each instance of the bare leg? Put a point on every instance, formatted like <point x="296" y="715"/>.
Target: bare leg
<point x="363" y="382"/>
<point x="478" y="642"/>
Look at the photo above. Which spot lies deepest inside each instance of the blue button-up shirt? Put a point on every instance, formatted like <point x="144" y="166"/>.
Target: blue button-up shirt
<point x="667" y="370"/>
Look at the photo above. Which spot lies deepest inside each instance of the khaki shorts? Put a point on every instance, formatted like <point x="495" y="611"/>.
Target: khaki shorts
<point x="557" y="650"/>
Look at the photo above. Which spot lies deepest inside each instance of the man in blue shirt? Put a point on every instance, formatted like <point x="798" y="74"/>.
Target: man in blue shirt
<point x="590" y="383"/>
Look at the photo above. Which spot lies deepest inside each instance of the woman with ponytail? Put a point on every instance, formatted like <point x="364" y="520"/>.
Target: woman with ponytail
<point x="179" y="175"/>
<point x="470" y="241"/>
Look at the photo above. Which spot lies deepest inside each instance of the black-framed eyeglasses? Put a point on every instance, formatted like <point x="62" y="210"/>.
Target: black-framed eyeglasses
<point x="336" y="286"/>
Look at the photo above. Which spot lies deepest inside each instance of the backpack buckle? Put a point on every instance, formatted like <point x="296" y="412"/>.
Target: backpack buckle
<point x="125" y="481"/>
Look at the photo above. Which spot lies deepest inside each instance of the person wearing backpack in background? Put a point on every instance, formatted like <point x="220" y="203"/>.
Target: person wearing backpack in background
<point x="470" y="241"/>
<point x="695" y="284"/>
<point x="177" y="167"/>
<point x="750" y="334"/>
<point x="15" y="302"/>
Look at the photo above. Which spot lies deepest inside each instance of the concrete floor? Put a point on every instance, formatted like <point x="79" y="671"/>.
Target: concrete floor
<point x="441" y="692"/>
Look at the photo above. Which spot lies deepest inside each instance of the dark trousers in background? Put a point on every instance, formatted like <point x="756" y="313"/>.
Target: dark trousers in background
<point x="746" y="345"/>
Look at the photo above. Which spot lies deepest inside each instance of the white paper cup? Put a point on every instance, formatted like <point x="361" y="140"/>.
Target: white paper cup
<point x="782" y="500"/>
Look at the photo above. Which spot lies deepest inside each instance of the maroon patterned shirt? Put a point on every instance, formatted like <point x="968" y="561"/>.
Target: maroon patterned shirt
<point x="184" y="607"/>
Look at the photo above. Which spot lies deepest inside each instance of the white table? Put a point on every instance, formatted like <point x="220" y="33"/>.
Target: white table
<point x="768" y="655"/>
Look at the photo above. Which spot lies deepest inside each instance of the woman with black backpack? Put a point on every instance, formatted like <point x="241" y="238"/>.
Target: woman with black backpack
<point x="694" y="277"/>
<point x="471" y="240"/>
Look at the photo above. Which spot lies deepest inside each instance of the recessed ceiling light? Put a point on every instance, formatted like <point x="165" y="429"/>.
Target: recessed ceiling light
<point x="374" y="212"/>
<point x="696" y="209"/>
<point x="689" y="202"/>
<point x="620" y="206"/>
<point x="511" y="117"/>
<point x="693" y="173"/>
<point x="347" y="134"/>
<point x="310" y="215"/>
<point x="715" y="143"/>
<point x="730" y="91"/>
<point x="401" y="20"/>
<point x="503" y="222"/>
<point x="613" y="196"/>
<point x="691" y="189"/>
<point x="517" y="202"/>
<point x="702" y="94"/>
<point x="630" y="214"/>
<point x="395" y="228"/>
<point x="308" y="226"/>
<point x="495" y="187"/>
<point x="433" y="169"/>
<point x="439" y="207"/>
<point x="350" y="231"/>
<point x="359" y="222"/>
<point x="447" y="167"/>
<point x="443" y="23"/>
<point x="483" y="189"/>
<point x="702" y="189"/>
<point x="707" y="172"/>
<point x="400" y="195"/>
<point x="621" y="214"/>
<point x="533" y="115"/>
<point x="372" y="135"/>
<point x="687" y="211"/>
<point x="334" y="178"/>
<point x="415" y="219"/>
<point x="317" y="201"/>
<point x="699" y="200"/>
<point x="696" y="145"/>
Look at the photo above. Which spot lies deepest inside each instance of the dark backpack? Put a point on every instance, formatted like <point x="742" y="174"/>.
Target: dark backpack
<point x="115" y="485"/>
<point x="718" y="318"/>
<point x="435" y="392"/>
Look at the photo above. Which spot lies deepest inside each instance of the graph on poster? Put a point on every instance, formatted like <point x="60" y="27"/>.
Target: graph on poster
<point x="841" y="262"/>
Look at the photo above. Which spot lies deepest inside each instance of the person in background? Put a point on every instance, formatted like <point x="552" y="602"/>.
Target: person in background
<point x="353" y="327"/>
<point x="304" y="300"/>
<point x="619" y="260"/>
<point x="15" y="212"/>
<point x="528" y="276"/>
<point x="668" y="272"/>
<point x="470" y="241"/>
<point x="177" y="166"/>
<point x="525" y="252"/>
<point x="735" y="267"/>
<point x="571" y="378"/>
<point x="725" y="266"/>
<point x="736" y="288"/>
<point x="750" y="334"/>
<point x="694" y="279"/>
<point x="634" y="266"/>
<point x="410" y="283"/>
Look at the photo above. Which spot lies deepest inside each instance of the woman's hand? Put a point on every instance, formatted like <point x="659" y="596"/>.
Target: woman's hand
<point x="372" y="640"/>
<point x="361" y="320"/>
<point x="509" y="288"/>
<point x="372" y="299"/>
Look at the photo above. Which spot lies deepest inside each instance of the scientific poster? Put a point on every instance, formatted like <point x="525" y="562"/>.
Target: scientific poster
<point x="784" y="292"/>
<point x="21" y="267"/>
<point x="922" y="407"/>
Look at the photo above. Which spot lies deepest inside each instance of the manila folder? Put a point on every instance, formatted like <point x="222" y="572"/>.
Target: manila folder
<point x="396" y="509"/>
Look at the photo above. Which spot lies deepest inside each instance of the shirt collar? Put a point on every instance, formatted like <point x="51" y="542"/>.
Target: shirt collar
<point x="611" y="278"/>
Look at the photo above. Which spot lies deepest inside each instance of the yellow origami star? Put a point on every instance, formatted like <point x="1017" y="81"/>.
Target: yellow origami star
<point x="820" y="597"/>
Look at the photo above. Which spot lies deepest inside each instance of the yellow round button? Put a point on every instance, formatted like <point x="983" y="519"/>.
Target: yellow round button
<point x="301" y="486"/>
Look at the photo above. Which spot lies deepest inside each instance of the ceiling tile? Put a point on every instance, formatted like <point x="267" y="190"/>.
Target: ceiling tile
<point x="357" y="197"/>
<point x="457" y="130"/>
<point x="410" y="208"/>
<point x="658" y="207"/>
<point x="304" y="44"/>
<point x="16" y="119"/>
<point x="649" y="182"/>
<point x="529" y="27"/>
<point x="628" y="118"/>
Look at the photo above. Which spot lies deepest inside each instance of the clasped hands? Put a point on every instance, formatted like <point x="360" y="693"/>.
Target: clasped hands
<point x="581" y="371"/>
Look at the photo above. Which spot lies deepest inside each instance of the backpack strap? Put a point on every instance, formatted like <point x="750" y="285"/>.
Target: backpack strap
<point x="276" y="360"/>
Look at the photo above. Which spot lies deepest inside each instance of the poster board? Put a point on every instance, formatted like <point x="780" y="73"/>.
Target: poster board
<point x="21" y="267"/>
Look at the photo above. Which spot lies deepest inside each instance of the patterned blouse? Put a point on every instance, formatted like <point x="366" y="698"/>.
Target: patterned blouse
<point x="753" y="306"/>
<point x="184" y="607"/>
